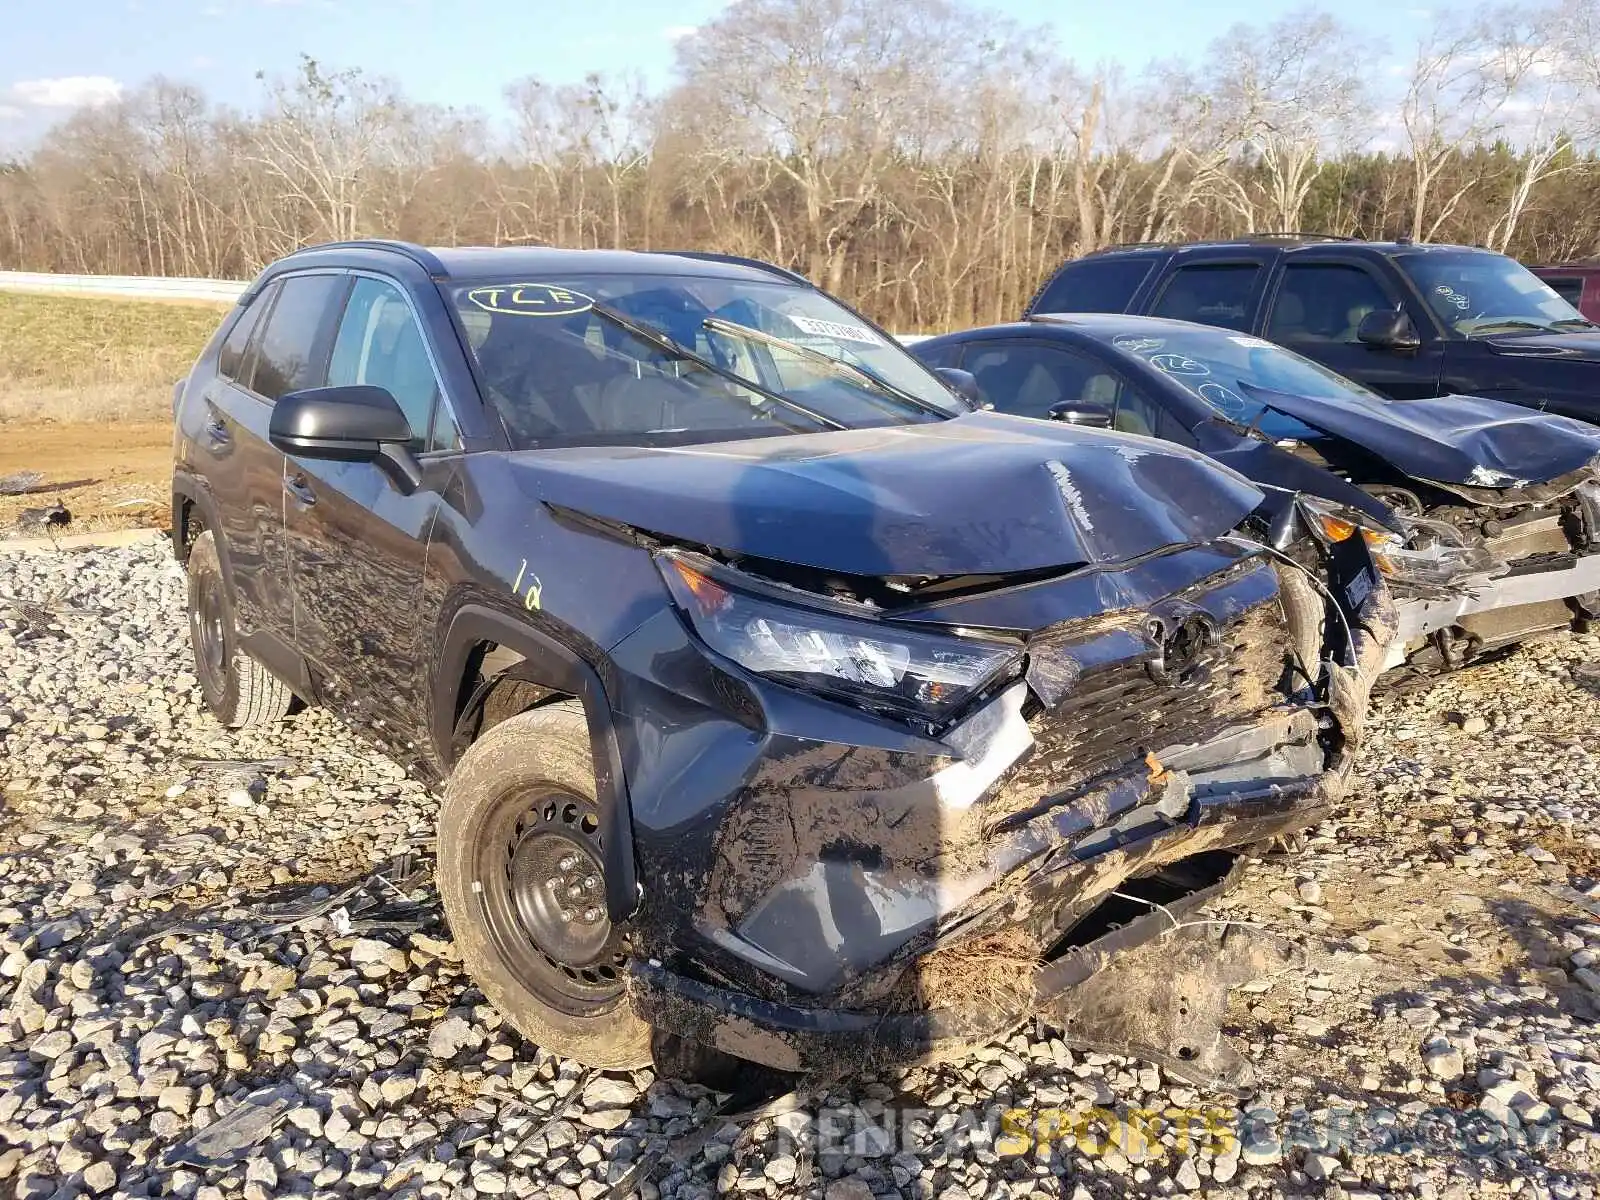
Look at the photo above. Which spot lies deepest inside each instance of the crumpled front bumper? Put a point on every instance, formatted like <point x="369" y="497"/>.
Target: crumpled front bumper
<point x="1579" y="577"/>
<point x="1549" y="561"/>
<point x="1068" y="884"/>
<point x="794" y="923"/>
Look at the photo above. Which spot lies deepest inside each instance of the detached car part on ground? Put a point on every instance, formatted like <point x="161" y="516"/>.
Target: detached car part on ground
<point x="1485" y="517"/>
<point x="788" y="708"/>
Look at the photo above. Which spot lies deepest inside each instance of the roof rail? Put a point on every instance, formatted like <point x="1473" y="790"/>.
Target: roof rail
<point x="740" y="261"/>
<point x="421" y="255"/>
<point x="1131" y="246"/>
<point x="1298" y="236"/>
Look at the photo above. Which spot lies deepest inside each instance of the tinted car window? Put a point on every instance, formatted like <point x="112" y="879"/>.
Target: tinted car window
<point x="1325" y="302"/>
<point x="1211" y="295"/>
<point x="1028" y="380"/>
<point x="940" y="356"/>
<point x="230" y="359"/>
<point x="1137" y="412"/>
<point x="380" y="343"/>
<point x="1094" y="285"/>
<point x="287" y="354"/>
<point x="1567" y="287"/>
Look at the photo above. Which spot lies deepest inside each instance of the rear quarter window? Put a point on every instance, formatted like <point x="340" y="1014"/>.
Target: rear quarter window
<point x="1093" y="285"/>
<point x="230" y="360"/>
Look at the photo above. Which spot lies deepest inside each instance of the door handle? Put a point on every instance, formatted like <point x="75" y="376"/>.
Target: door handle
<point x="217" y="432"/>
<point x="298" y="487"/>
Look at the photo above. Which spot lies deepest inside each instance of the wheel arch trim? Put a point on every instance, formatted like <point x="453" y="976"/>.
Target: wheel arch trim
<point x="551" y="663"/>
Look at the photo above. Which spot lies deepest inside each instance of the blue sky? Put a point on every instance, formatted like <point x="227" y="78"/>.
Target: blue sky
<point x="463" y="52"/>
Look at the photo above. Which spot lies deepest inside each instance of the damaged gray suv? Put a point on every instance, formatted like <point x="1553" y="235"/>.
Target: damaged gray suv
<point x="771" y="687"/>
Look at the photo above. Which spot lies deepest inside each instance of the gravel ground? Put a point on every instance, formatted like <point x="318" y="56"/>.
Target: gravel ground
<point x="225" y="979"/>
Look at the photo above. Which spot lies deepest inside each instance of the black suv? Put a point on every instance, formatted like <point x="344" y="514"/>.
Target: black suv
<point x="762" y="671"/>
<point x="1407" y="320"/>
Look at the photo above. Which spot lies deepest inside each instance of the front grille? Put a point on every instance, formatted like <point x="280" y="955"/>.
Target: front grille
<point x="1117" y="710"/>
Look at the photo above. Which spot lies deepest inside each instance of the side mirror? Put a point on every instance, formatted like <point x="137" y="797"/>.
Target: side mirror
<point x="358" y="423"/>
<point x="962" y="383"/>
<point x="1091" y="416"/>
<point x="1388" y="329"/>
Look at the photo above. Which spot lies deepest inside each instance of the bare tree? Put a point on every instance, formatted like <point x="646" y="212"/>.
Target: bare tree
<point x="330" y="141"/>
<point x="1460" y="84"/>
<point x="933" y="176"/>
<point x="825" y="94"/>
<point x="1295" y="100"/>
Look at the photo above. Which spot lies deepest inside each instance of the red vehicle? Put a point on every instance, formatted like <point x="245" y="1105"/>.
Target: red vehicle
<point x="1577" y="283"/>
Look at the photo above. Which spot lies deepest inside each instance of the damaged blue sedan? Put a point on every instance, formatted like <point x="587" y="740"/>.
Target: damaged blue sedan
<point x="1484" y="516"/>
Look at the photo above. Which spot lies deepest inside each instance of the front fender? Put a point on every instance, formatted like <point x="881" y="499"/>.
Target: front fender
<point x="551" y="663"/>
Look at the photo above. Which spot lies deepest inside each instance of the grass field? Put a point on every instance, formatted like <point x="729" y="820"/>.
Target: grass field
<point x="86" y="402"/>
<point x="90" y="359"/>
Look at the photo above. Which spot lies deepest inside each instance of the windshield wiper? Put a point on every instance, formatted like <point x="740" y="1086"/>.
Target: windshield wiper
<point x="1574" y="323"/>
<point x="837" y="366"/>
<point x="1508" y="323"/>
<point x="665" y="344"/>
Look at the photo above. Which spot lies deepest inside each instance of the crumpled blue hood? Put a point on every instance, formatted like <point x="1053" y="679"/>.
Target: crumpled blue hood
<point x="982" y="493"/>
<point x="1450" y="439"/>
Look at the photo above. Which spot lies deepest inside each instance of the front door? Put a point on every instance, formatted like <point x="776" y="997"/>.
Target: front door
<point x="1316" y="310"/>
<point x="357" y="542"/>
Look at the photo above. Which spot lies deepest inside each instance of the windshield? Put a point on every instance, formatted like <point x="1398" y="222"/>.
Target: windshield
<point x="1219" y="368"/>
<point x="664" y="359"/>
<point x="1476" y="293"/>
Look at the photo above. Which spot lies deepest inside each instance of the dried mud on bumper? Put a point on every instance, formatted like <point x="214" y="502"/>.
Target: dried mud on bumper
<point x="1051" y="871"/>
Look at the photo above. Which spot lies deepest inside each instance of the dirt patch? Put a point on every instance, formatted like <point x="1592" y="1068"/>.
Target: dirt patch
<point x="110" y="476"/>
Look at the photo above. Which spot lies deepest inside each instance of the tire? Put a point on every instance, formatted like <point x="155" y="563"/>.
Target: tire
<point x="238" y="690"/>
<point x="518" y="832"/>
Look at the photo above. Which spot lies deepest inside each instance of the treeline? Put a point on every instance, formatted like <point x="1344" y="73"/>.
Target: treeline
<point x="926" y="160"/>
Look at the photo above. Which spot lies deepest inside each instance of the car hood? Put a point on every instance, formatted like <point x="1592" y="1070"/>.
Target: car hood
<point x="978" y="494"/>
<point x="1574" y="346"/>
<point x="1450" y="439"/>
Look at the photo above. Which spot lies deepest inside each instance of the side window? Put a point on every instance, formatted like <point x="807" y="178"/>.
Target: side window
<point x="232" y="355"/>
<point x="1028" y="380"/>
<point x="1324" y="302"/>
<point x="938" y="356"/>
<point x="1568" y="287"/>
<point x="1093" y="285"/>
<point x="380" y="343"/>
<point x="291" y="350"/>
<point x="1137" y="412"/>
<point x="1210" y="294"/>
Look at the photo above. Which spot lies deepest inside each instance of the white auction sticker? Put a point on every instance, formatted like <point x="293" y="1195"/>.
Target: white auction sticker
<point x="838" y="331"/>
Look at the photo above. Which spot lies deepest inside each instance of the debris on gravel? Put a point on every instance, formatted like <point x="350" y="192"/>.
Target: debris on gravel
<point x="223" y="972"/>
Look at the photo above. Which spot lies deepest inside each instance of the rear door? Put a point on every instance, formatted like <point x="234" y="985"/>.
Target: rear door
<point x="1225" y="290"/>
<point x="1316" y="308"/>
<point x="266" y="354"/>
<point x="357" y="543"/>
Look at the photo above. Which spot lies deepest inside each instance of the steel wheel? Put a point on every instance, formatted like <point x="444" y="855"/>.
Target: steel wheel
<point x="208" y="626"/>
<point x="539" y="864"/>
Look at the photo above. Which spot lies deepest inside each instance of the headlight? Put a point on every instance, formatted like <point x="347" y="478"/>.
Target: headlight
<point x="1335" y="523"/>
<point x="870" y="664"/>
<point x="1432" y="554"/>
